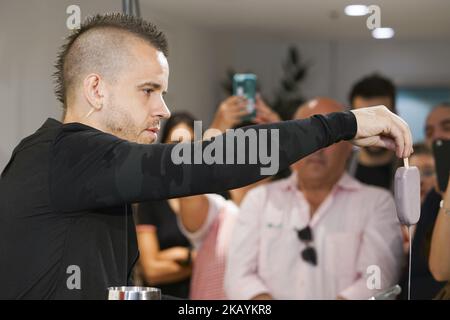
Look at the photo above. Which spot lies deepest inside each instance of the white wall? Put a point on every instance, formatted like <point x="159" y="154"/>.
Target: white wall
<point x="263" y="55"/>
<point x="409" y="64"/>
<point x="31" y="32"/>
<point x="335" y="66"/>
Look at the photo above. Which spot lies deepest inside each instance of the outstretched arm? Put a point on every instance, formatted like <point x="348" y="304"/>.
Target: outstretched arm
<point x="93" y="169"/>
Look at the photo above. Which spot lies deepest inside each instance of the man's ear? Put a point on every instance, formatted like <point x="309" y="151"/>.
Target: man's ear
<point x="93" y="88"/>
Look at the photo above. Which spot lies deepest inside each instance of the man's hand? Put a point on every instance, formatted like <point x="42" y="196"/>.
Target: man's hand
<point x="379" y="127"/>
<point x="264" y="114"/>
<point x="230" y="112"/>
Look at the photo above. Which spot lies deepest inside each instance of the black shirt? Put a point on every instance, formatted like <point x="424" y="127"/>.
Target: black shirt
<point x="380" y="176"/>
<point x="160" y="215"/>
<point x="423" y="285"/>
<point x="65" y="192"/>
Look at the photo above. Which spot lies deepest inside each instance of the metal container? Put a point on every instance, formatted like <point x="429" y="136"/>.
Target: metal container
<point x="134" y="293"/>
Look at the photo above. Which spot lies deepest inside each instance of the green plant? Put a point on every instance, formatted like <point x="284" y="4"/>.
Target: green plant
<point x="287" y="96"/>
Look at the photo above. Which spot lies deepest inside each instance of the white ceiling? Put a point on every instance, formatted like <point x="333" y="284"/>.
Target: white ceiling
<point x="312" y="19"/>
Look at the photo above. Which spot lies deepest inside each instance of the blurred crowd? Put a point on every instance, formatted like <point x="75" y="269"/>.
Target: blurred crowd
<point x="328" y="229"/>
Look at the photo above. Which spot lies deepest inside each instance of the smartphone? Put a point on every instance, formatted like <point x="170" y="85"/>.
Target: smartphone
<point x="441" y="152"/>
<point x="244" y="85"/>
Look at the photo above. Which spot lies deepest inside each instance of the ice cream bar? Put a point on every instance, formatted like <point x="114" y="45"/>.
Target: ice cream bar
<point x="407" y="194"/>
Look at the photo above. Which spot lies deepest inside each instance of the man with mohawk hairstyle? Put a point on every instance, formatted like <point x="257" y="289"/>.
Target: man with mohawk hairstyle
<point x="66" y="226"/>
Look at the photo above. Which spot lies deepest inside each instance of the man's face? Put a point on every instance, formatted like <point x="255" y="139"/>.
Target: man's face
<point x="360" y="102"/>
<point x="135" y="102"/>
<point x="325" y="165"/>
<point x="437" y="125"/>
<point x="180" y="133"/>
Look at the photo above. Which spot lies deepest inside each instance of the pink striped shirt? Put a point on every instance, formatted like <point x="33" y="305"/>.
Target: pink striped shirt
<point x="211" y="241"/>
<point x="356" y="233"/>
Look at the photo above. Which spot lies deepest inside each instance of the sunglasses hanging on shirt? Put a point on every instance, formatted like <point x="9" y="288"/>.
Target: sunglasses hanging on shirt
<point x="309" y="253"/>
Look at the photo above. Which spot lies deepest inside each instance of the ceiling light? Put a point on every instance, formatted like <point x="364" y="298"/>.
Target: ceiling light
<point x="383" y="33"/>
<point x="356" y="10"/>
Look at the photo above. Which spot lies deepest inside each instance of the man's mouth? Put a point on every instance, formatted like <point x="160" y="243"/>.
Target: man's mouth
<point x="154" y="130"/>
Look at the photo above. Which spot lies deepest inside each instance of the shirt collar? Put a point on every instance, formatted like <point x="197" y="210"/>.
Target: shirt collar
<point x="346" y="182"/>
<point x="50" y="123"/>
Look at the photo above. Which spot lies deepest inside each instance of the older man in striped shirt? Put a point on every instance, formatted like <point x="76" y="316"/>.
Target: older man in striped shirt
<point x="319" y="234"/>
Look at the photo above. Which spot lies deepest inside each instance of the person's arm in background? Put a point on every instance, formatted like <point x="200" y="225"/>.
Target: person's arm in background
<point x="439" y="260"/>
<point x="381" y="246"/>
<point x="264" y="114"/>
<point x="242" y="281"/>
<point x="160" y="266"/>
<point x="193" y="213"/>
<point x="92" y="169"/>
<point x="194" y="210"/>
<point x="230" y="113"/>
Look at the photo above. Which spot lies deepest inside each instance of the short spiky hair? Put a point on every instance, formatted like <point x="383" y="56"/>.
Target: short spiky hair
<point x="124" y="24"/>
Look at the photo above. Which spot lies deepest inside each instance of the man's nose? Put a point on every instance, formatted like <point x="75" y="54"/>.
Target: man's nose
<point x="163" y="111"/>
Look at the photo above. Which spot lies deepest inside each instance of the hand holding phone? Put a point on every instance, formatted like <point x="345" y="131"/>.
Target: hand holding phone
<point x="244" y="85"/>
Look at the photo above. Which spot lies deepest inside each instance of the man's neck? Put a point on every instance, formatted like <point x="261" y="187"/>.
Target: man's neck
<point x="315" y="192"/>
<point x="369" y="160"/>
<point x="71" y="117"/>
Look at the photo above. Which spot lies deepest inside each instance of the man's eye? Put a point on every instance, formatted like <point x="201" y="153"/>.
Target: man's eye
<point x="148" y="91"/>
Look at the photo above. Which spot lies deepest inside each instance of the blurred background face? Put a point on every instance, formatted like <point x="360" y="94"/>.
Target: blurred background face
<point x="361" y="102"/>
<point x="437" y="125"/>
<point x="134" y="105"/>
<point x="180" y="133"/>
<point x="327" y="165"/>
<point x="324" y="166"/>
<point x="179" y="128"/>
<point x="425" y="163"/>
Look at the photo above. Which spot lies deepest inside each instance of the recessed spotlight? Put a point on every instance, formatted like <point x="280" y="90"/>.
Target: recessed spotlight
<point x="356" y="10"/>
<point x="383" y="33"/>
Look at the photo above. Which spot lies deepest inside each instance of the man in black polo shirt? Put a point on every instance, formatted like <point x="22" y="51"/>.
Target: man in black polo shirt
<point x="372" y="165"/>
<point x="66" y="229"/>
